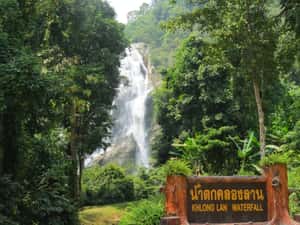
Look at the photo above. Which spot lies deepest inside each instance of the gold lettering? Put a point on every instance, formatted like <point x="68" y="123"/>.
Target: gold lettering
<point x="235" y="207"/>
<point x="206" y="194"/>
<point x="200" y="192"/>
<point x="234" y="194"/>
<point x="194" y="192"/>
<point x="194" y="195"/>
<point x="222" y="207"/>
<point x="213" y="194"/>
<point x="260" y="194"/>
<point x="246" y="194"/>
<point x="252" y="192"/>
<point x="258" y="207"/>
<point x="240" y="194"/>
<point x="227" y="195"/>
<point x="220" y="195"/>
<point x="203" y="207"/>
<point x="247" y="207"/>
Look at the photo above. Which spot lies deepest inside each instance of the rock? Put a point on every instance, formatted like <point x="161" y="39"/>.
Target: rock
<point x="145" y="52"/>
<point x="122" y="153"/>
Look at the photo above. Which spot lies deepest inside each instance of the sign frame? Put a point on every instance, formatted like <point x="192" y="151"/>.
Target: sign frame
<point x="274" y="177"/>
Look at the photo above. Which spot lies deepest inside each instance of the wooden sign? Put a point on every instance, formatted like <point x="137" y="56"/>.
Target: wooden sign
<point x="227" y="202"/>
<point x="259" y="200"/>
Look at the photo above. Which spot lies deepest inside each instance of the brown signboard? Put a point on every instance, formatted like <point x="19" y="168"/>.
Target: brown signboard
<point x="223" y="200"/>
<point x="209" y="200"/>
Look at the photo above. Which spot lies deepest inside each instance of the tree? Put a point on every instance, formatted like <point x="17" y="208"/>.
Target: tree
<point x="98" y="46"/>
<point x="82" y="42"/>
<point x="242" y="35"/>
<point x="143" y="26"/>
<point x="290" y="9"/>
<point x="195" y="96"/>
<point x="58" y="76"/>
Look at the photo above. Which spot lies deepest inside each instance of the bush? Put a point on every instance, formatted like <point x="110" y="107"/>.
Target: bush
<point x="107" y="185"/>
<point x="274" y="158"/>
<point x="49" y="202"/>
<point x="294" y="183"/>
<point x="177" y="167"/>
<point x="141" y="188"/>
<point x="148" y="182"/>
<point x="10" y="193"/>
<point x="146" y="212"/>
<point x="45" y="202"/>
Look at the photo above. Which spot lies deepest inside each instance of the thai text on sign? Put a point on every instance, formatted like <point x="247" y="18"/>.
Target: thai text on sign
<point x="225" y="202"/>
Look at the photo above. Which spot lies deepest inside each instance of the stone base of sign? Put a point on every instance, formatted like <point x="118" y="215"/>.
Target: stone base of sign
<point x="275" y="177"/>
<point x="171" y="220"/>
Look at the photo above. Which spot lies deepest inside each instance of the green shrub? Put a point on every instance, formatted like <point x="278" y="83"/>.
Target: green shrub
<point x="274" y="158"/>
<point x="146" y="212"/>
<point x="147" y="182"/>
<point x="10" y="193"/>
<point x="141" y="189"/>
<point x="106" y="185"/>
<point x="294" y="206"/>
<point x="294" y="183"/>
<point x="45" y="202"/>
<point x="49" y="200"/>
<point x="211" y="151"/>
<point x="177" y="167"/>
<point x="118" y="190"/>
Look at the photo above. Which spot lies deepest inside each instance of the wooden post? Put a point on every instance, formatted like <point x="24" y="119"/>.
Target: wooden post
<point x="277" y="188"/>
<point x="175" y="206"/>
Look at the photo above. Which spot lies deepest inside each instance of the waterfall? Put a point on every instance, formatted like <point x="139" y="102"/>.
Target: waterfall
<point x="130" y="104"/>
<point x="130" y="108"/>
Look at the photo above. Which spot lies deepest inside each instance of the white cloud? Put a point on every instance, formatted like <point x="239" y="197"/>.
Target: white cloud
<point x="122" y="7"/>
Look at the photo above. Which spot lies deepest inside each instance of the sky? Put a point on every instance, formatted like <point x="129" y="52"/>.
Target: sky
<point x="122" y="7"/>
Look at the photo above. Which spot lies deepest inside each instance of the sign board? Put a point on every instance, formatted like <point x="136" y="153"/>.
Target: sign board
<point x="229" y="202"/>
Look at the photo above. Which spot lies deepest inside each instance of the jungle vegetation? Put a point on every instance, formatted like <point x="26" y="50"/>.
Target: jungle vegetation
<point x="229" y="98"/>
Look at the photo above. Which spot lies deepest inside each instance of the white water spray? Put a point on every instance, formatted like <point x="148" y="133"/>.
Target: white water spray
<point x="130" y="106"/>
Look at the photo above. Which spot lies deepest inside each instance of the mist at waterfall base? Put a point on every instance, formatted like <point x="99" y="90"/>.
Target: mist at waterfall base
<point x="129" y="109"/>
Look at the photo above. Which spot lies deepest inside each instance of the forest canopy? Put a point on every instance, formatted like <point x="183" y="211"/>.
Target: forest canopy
<point x="58" y="74"/>
<point x="228" y="103"/>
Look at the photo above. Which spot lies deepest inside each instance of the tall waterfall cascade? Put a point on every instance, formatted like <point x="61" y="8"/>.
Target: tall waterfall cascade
<point x="130" y="131"/>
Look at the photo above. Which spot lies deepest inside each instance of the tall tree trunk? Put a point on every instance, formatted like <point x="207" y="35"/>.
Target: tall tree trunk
<point x="74" y="154"/>
<point x="81" y="165"/>
<point x="1" y="145"/>
<point x="261" y="118"/>
<point x="10" y="147"/>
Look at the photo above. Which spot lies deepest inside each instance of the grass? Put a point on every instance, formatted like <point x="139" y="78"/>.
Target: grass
<point x="102" y="215"/>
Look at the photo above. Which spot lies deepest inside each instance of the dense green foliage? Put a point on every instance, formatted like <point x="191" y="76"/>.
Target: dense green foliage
<point x="177" y="167"/>
<point x="58" y="73"/>
<point x="110" y="184"/>
<point x="230" y="94"/>
<point x="228" y="82"/>
<point x="106" y="185"/>
<point x="146" y="212"/>
<point x="145" y="27"/>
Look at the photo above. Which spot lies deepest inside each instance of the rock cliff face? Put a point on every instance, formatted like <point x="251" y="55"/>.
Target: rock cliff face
<point x="122" y="153"/>
<point x="155" y="78"/>
<point x="127" y="149"/>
